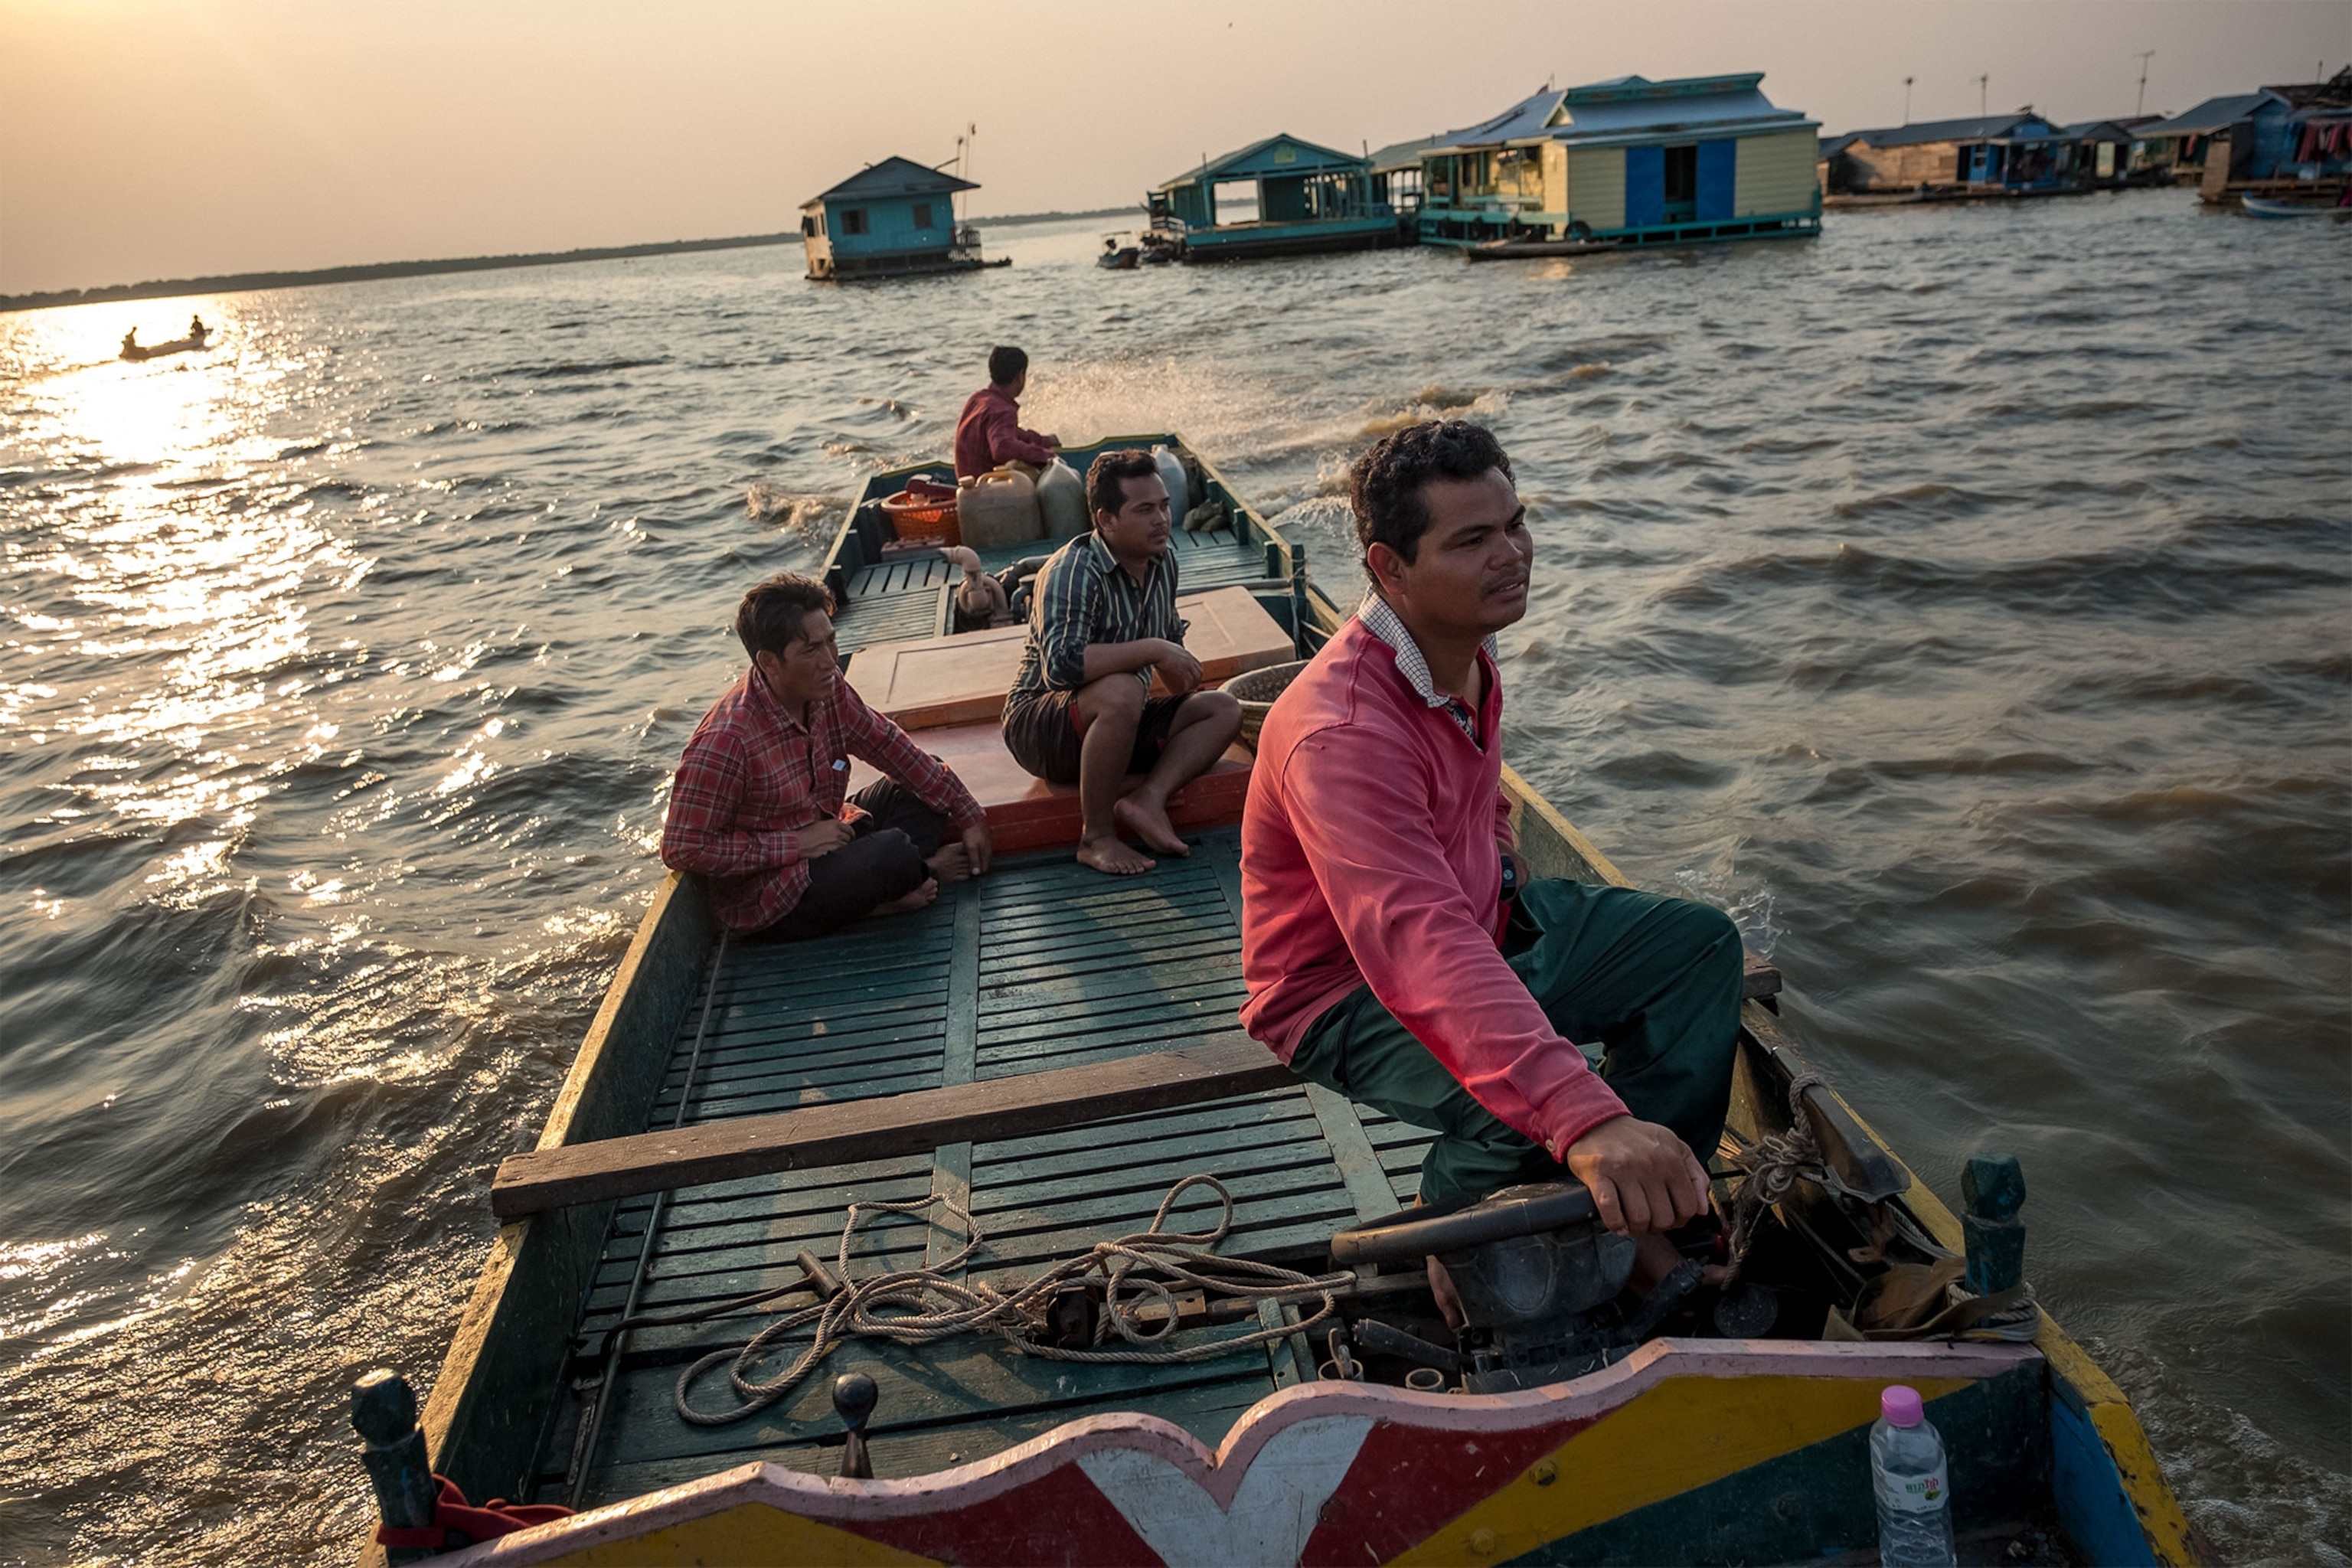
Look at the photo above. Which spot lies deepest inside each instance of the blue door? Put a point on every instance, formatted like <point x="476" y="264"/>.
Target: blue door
<point x="1716" y="161"/>
<point x="1645" y="186"/>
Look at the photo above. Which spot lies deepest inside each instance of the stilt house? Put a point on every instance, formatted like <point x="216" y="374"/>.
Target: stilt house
<point x="1638" y="161"/>
<point x="2280" y="141"/>
<point x="894" y="216"/>
<point x="1989" y="154"/>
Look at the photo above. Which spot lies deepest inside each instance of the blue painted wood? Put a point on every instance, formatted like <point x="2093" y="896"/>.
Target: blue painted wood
<point x="1645" y="186"/>
<point x="1718" y="165"/>
<point x="2093" y="1508"/>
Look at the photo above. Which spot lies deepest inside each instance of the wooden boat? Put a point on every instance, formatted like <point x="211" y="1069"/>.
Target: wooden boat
<point x="2269" y="206"/>
<point x="1050" y="1051"/>
<point x="136" y="352"/>
<point x="1119" y="253"/>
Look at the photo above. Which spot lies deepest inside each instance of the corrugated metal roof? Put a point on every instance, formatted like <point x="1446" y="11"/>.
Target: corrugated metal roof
<point x="1401" y="154"/>
<point x="2097" y="131"/>
<point x="2022" y="125"/>
<point x="2214" y="114"/>
<point x="893" y="177"/>
<point x="1236" y="165"/>
<point x="1529" y="117"/>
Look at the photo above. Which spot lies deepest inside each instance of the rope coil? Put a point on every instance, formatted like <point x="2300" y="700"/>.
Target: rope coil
<point x="921" y="1306"/>
<point x="1774" y="1165"/>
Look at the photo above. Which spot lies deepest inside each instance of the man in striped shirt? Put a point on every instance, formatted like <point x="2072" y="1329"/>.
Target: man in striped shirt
<point x="1102" y="618"/>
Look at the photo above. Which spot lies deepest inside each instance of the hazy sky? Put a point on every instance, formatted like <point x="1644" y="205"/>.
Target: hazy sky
<point x="146" y="139"/>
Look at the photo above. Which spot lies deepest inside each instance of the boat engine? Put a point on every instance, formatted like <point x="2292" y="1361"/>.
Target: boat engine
<point x="1539" y="1278"/>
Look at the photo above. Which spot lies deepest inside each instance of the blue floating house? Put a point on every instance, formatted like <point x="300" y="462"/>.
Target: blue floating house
<point x="1629" y="161"/>
<point x="2019" y="153"/>
<point x="2293" y="140"/>
<point x="1300" y="198"/>
<point x="890" y="218"/>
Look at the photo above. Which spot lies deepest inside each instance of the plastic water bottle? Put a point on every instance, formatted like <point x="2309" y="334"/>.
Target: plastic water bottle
<point x="1906" y="1465"/>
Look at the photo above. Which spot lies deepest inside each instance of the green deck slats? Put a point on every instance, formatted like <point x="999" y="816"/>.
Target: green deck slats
<point x="1040" y="964"/>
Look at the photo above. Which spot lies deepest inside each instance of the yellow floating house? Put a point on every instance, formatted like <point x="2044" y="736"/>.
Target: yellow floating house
<point x="1627" y="162"/>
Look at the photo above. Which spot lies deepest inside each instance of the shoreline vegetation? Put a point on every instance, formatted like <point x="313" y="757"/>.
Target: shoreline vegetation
<point x="240" y="282"/>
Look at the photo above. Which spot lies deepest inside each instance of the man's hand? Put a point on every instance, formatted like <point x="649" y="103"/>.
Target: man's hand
<point x="1642" y="1177"/>
<point x="1178" y="667"/>
<point x="977" y="845"/>
<point x="820" y="838"/>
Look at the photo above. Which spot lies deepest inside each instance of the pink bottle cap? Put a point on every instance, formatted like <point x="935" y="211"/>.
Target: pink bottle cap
<point x="1901" y="1405"/>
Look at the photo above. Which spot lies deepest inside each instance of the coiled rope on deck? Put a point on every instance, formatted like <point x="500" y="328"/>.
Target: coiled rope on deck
<point x="921" y="1306"/>
<point x="1774" y="1163"/>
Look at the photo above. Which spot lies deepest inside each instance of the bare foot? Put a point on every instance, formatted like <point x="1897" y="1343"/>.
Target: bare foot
<point x="1151" y="824"/>
<point x="912" y="901"/>
<point x="1109" y="856"/>
<point x="951" y="864"/>
<point x="1449" y="1299"/>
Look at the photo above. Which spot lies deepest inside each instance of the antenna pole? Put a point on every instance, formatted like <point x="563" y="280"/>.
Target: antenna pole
<point x="1982" y="82"/>
<point x="1907" y="101"/>
<point x="2139" y="105"/>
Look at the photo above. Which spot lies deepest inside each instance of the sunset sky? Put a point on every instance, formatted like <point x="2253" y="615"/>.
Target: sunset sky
<point x="143" y="139"/>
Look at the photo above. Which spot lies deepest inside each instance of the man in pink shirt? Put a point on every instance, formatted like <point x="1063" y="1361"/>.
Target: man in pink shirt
<point x="989" y="433"/>
<point x="1394" y="949"/>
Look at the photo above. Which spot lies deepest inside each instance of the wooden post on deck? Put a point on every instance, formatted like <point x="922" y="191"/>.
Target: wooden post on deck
<point x="384" y="1411"/>
<point x="1994" y="1188"/>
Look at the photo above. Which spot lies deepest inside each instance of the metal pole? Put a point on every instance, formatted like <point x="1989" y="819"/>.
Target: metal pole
<point x="2139" y="104"/>
<point x="1907" y="101"/>
<point x="1982" y="82"/>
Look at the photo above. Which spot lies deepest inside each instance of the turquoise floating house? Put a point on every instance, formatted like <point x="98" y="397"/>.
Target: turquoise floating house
<point x="1281" y="196"/>
<point x="890" y="218"/>
<point x="1630" y="162"/>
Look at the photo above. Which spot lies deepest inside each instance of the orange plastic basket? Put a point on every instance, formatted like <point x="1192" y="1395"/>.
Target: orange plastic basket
<point x="919" y="522"/>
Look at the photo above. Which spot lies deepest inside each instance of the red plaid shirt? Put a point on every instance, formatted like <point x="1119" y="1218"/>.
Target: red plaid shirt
<point x="753" y="775"/>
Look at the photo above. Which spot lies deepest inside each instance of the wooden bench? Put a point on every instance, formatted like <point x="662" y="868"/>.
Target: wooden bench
<point x="1027" y="812"/>
<point x="926" y="682"/>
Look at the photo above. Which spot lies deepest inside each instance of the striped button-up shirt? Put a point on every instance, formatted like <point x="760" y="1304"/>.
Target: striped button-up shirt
<point x="1084" y="596"/>
<point x="755" y="776"/>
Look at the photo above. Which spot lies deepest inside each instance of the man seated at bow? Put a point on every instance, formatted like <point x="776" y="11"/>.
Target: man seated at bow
<point x="761" y="805"/>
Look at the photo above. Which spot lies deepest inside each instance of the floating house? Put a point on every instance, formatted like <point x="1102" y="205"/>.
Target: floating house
<point x="890" y="218"/>
<point x="1281" y="196"/>
<point x="1396" y="178"/>
<point x="1989" y="155"/>
<point x="2287" y="140"/>
<point x="1630" y="162"/>
<point x="2099" y="154"/>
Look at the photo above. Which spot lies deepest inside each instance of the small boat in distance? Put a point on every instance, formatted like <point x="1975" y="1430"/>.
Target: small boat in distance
<point x="135" y="350"/>
<point x="2270" y="206"/>
<point x="1119" y="253"/>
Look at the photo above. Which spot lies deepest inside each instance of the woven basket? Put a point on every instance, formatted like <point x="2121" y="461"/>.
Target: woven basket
<point x="1256" y="691"/>
<point x="918" y="521"/>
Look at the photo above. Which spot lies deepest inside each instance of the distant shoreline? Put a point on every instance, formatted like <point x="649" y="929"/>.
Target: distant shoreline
<point x="240" y="282"/>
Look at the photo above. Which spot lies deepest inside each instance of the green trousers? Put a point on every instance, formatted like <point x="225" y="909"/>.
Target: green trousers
<point x="1654" y="982"/>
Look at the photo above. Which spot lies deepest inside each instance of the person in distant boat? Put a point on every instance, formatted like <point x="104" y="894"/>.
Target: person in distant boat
<point x="1392" y="946"/>
<point x="760" y="806"/>
<point x="196" y="329"/>
<point x="131" y="343"/>
<point x="1102" y="618"/>
<point x="989" y="434"/>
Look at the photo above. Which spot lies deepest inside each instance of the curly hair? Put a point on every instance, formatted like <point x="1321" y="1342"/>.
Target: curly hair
<point x="775" y="613"/>
<point x="1384" y="487"/>
<point x="1108" y="475"/>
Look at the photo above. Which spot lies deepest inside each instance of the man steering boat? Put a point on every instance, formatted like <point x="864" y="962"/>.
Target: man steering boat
<point x="1394" y="949"/>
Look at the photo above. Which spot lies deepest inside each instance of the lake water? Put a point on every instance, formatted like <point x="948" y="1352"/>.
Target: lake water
<point x="1964" y="597"/>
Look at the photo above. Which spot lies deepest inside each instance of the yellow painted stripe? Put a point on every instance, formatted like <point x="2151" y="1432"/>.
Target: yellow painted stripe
<point x="752" y="1534"/>
<point x="1683" y="1434"/>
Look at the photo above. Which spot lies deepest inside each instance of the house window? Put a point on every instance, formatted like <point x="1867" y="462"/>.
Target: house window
<point x="808" y="225"/>
<point x="853" y="220"/>
<point x="922" y="214"/>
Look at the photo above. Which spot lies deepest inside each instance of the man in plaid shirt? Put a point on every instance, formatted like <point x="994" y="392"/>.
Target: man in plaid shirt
<point x="758" y="807"/>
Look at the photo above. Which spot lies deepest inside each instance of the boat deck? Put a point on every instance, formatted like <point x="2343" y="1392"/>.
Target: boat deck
<point x="1041" y="964"/>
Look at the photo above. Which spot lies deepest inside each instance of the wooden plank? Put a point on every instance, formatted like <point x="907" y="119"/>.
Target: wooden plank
<point x="926" y="682"/>
<point x="1369" y="1187"/>
<point x="870" y="1129"/>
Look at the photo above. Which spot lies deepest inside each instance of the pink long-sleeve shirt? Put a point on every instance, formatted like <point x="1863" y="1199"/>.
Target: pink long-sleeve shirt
<point x="1371" y="855"/>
